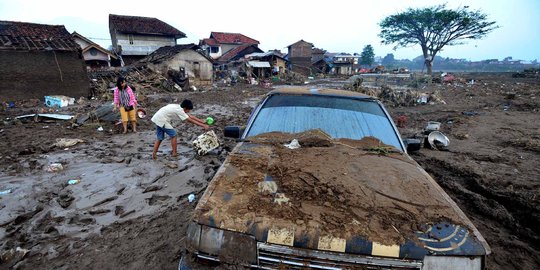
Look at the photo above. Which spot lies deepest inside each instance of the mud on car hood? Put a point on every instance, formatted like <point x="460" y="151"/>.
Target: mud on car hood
<point x="359" y="197"/>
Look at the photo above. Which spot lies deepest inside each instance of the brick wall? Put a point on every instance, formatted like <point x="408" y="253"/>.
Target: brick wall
<point x="25" y="75"/>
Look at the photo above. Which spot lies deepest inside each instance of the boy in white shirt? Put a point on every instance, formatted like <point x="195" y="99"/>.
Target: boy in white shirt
<point x="163" y="119"/>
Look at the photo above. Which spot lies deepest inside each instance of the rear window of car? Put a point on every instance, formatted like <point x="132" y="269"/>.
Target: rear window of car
<point x="339" y="117"/>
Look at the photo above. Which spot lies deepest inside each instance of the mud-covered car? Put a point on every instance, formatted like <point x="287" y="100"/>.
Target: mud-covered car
<point x="321" y="179"/>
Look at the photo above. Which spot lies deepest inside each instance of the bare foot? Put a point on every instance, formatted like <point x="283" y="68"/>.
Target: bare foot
<point x="174" y="154"/>
<point x="125" y="131"/>
<point x="154" y="155"/>
<point x="134" y="130"/>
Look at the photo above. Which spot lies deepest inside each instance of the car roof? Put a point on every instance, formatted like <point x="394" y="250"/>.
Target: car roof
<point x="319" y="92"/>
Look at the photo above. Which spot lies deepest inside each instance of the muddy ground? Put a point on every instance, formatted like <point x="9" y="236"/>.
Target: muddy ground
<point x="130" y="212"/>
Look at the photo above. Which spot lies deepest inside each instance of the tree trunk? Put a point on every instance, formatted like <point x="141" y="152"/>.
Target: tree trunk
<point x="429" y="66"/>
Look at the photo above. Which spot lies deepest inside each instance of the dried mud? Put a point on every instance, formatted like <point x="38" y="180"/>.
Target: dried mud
<point x="343" y="188"/>
<point x="130" y="212"/>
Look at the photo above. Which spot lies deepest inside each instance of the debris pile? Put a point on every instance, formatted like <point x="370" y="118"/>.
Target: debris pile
<point x="138" y="78"/>
<point x="293" y="78"/>
<point x="528" y="73"/>
<point x="396" y="98"/>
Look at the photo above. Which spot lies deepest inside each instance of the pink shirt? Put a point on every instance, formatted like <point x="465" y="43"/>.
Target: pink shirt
<point x="132" y="99"/>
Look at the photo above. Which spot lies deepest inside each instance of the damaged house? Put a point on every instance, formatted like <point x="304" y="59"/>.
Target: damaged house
<point x="38" y="60"/>
<point x="299" y="56"/>
<point x="95" y="56"/>
<point x="136" y="37"/>
<point x="345" y="64"/>
<point x="219" y="44"/>
<point x="189" y="60"/>
<point x="318" y="61"/>
<point x="264" y="65"/>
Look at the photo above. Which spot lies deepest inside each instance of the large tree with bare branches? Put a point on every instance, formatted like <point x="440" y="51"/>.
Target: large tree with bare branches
<point x="433" y="28"/>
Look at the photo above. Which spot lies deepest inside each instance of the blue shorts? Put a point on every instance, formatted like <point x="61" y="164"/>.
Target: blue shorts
<point x="160" y="133"/>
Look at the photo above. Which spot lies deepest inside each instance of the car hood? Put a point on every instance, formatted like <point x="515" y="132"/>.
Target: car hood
<point x="355" y="196"/>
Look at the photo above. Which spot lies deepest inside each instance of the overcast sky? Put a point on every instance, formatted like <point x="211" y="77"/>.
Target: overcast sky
<point x="335" y="26"/>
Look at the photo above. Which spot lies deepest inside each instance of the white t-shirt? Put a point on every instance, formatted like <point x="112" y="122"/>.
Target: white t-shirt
<point x="166" y="114"/>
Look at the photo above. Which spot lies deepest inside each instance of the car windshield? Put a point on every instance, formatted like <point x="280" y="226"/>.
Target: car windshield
<point x="339" y="117"/>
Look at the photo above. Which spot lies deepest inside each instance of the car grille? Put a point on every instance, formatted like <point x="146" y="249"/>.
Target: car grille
<point x="281" y="257"/>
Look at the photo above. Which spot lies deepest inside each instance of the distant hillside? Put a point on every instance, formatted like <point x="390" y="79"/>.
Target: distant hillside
<point x="449" y="64"/>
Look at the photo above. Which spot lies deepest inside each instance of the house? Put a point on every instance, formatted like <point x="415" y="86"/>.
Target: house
<point x="40" y="60"/>
<point x="236" y="54"/>
<point x="135" y="37"/>
<point x="345" y="64"/>
<point x="299" y="56"/>
<point x="317" y="55"/>
<point x="317" y="61"/>
<point x="276" y="63"/>
<point x="94" y="55"/>
<point x="190" y="59"/>
<point x="219" y="43"/>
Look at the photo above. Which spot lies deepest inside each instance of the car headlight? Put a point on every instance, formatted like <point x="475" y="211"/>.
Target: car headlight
<point x="225" y="246"/>
<point x="452" y="262"/>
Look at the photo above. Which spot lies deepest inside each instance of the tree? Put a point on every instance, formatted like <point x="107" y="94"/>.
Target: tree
<point x="388" y="59"/>
<point x="433" y="28"/>
<point x="368" y="56"/>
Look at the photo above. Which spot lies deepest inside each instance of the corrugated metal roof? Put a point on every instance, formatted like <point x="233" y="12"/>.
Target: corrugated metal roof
<point x="33" y="36"/>
<point x="209" y="41"/>
<point x="258" y="64"/>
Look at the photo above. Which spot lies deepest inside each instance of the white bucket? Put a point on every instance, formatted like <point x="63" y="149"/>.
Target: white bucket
<point x="206" y="142"/>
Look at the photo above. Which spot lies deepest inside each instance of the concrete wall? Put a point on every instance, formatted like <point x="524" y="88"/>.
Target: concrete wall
<point x="227" y="47"/>
<point x="281" y="64"/>
<point x="99" y="55"/>
<point x="82" y="43"/>
<point x="143" y="44"/>
<point x="25" y="75"/>
<point x="196" y="66"/>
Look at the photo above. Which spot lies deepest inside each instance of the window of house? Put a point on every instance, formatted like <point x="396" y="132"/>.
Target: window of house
<point x="214" y="49"/>
<point x="93" y="51"/>
<point x="130" y="38"/>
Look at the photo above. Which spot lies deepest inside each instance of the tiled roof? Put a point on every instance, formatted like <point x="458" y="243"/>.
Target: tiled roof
<point x="142" y="25"/>
<point x="33" y="36"/>
<point x="300" y="41"/>
<point x="209" y="41"/>
<point x="317" y="51"/>
<point x="232" y="38"/>
<point x="167" y="52"/>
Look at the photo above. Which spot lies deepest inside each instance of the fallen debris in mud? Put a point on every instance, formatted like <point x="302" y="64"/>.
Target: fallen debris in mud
<point x="206" y="142"/>
<point x="64" y="142"/>
<point x="9" y="258"/>
<point x="490" y="174"/>
<point x="396" y="98"/>
<point x="438" y="141"/>
<point x="38" y="116"/>
<point x="528" y="73"/>
<point x="54" y="167"/>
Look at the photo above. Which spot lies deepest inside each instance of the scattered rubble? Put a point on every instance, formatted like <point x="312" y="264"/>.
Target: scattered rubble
<point x="528" y="73"/>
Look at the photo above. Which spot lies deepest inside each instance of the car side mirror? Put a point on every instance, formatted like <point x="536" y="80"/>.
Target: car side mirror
<point x="412" y="145"/>
<point x="232" y="132"/>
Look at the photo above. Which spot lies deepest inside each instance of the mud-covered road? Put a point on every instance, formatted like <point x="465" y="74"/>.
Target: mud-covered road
<point x="130" y="212"/>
